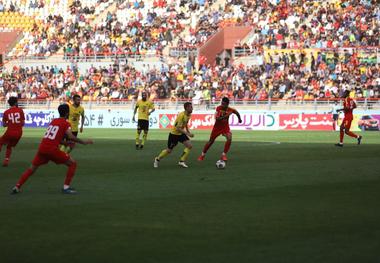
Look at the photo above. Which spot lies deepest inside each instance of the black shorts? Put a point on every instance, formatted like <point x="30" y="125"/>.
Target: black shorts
<point x="75" y="133"/>
<point x="335" y="117"/>
<point x="174" y="139"/>
<point x="143" y="125"/>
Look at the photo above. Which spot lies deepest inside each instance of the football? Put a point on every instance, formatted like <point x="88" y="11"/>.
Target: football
<point x="220" y="164"/>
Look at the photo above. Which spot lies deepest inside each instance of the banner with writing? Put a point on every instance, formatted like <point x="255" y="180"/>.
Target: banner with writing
<point x="320" y="122"/>
<point x="205" y="121"/>
<point x="115" y="119"/>
<point x="36" y="118"/>
<point x="93" y="119"/>
<point x="317" y="122"/>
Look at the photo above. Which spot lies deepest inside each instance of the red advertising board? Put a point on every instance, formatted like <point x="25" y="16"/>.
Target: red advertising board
<point x="316" y="122"/>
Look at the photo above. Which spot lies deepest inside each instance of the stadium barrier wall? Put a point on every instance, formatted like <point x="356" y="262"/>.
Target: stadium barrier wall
<point x="204" y="120"/>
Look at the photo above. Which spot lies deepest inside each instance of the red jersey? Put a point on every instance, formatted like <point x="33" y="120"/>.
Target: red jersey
<point x="14" y="119"/>
<point x="222" y="124"/>
<point x="54" y="134"/>
<point x="348" y="106"/>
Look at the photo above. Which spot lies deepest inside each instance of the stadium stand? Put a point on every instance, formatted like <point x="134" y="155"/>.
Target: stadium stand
<point x="291" y="50"/>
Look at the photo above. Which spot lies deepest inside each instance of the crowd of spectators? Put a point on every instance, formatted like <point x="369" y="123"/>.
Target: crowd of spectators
<point x="136" y="28"/>
<point x="283" y="76"/>
<point x="141" y="26"/>
<point x="52" y="30"/>
<point x="294" y="24"/>
<point x="12" y="7"/>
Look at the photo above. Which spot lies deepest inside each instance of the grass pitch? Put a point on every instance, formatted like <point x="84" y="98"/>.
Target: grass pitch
<point x="283" y="197"/>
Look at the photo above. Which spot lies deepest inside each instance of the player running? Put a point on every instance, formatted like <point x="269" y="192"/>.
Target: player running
<point x="146" y="107"/>
<point x="221" y="127"/>
<point x="348" y="106"/>
<point x="76" y="113"/>
<point x="179" y="133"/>
<point x="49" y="151"/>
<point x="14" y="120"/>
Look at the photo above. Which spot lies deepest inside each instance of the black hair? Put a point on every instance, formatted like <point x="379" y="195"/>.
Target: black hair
<point x="226" y="100"/>
<point x="76" y="96"/>
<point x="187" y="104"/>
<point x="12" y="101"/>
<point x="63" y="110"/>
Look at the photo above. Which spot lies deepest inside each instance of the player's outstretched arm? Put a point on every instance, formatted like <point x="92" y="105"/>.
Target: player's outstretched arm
<point x="71" y="137"/>
<point x="238" y="115"/>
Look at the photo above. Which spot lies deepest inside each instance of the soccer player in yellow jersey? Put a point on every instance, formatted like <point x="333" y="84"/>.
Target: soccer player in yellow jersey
<point x="179" y="133"/>
<point x="145" y="107"/>
<point x="76" y="113"/>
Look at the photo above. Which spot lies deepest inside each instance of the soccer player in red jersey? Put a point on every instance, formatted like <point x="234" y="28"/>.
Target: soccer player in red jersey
<point x="221" y="127"/>
<point x="348" y="106"/>
<point x="49" y="150"/>
<point x="14" y="120"/>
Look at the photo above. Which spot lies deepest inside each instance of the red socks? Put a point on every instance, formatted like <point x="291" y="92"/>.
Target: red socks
<point x="69" y="176"/>
<point x="351" y="134"/>
<point x="8" y="152"/>
<point x="207" y="146"/>
<point x="24" y="177"/>
<point x="70" y="173"/>
<point x="341" y="135"/>
<point x="227" y="146"/>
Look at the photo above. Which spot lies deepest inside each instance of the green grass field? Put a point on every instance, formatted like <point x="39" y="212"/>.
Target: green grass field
<point x="283" y="197"/>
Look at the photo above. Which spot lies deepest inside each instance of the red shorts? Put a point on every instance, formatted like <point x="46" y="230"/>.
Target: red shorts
<point x="10" y="139"/>
<point x="346" y="124"/>
<point x="55" y="155"/>
<point x="217" y="132"/>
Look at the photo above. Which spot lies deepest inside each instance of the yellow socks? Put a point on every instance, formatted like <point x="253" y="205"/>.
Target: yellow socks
<point x="185" y="154"/>
<point x="145" y="135"/>
<point x="163" y="154"/>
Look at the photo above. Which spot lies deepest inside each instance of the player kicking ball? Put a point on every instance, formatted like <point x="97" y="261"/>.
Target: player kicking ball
<point x="348" y="106"/>
<point x="14" y="120"/>
<point x="49" y="151"/>
<point x="221" y="127"/>
<point x="179" y="133"/>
